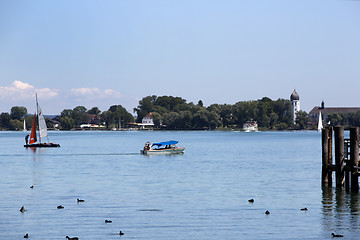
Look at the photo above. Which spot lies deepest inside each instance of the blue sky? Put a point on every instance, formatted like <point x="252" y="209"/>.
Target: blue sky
<point x="101" y="53"/>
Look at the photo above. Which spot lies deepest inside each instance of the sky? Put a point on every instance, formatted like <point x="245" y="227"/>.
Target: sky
<point x="115" y="52"/>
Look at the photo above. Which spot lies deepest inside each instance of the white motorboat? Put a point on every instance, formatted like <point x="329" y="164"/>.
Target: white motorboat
<point x="168" y="147"/>
<point x="250" y="126"/>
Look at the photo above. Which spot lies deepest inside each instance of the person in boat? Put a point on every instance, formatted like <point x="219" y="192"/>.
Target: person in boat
<point x="27" y="139"/>
<point x="147" y="146"/>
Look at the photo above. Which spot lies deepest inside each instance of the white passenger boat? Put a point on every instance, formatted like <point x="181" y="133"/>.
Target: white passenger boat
<point x="168" y="147"/>
<point x="250" y="126"/>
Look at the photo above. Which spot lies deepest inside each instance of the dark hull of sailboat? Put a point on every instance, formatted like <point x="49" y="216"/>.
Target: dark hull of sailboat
<point x="46" y="145"/>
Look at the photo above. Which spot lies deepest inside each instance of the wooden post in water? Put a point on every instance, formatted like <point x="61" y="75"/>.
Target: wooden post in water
<point x="326" y="177"/>
<point x="339" y="155"/>
<point x="354" y="158"/>
<point x="330" y="154"/>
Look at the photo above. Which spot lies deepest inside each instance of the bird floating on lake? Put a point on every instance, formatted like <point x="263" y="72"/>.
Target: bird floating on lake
<point x="73" y="238"/>
<point x="304" y="209"/>
<point x="251" y="200"/>
<point x="108" y="221"/>
<point x="26" y="236"/>
<point x="80" y="200"/>
<point x="121" y="233"/>
<point x="22" y="209"/>
<point x="32" y="186"/>
<point x="336" y="235"/>
<point x="60" y="207"/>
<point x="267" y="212"/>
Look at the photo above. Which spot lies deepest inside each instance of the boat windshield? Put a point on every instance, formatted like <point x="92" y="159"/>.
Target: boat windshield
<point x="168" y="144"/>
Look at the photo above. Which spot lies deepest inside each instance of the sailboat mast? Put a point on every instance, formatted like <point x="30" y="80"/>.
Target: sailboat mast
<point x="37" y="114"/>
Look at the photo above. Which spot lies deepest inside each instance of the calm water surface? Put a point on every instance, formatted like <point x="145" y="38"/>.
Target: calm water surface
<point x="202" y="194"/>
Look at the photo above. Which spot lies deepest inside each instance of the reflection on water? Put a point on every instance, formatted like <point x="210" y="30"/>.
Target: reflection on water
<point x="340" y="209"/>
<point x="199" y="195"/>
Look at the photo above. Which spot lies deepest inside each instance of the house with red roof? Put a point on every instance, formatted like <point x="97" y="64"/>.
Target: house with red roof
<point x="147" y="121"/>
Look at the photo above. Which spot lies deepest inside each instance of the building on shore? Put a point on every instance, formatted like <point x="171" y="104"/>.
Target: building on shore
<point x="326" y="111"/>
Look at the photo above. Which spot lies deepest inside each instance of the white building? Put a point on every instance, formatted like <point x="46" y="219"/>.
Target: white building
<point x="147" y="121"/>
<point x="295" y="104"/>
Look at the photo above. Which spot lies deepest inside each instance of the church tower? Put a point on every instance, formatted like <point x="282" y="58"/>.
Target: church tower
<point x="295" y="104"/>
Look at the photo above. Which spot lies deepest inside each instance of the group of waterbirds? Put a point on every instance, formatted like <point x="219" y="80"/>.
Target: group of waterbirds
<point x="22" y="209"/>
<point x="267" y="212"/>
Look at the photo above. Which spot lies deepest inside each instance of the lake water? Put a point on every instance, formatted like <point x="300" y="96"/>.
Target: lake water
<point x="202" y="194"/>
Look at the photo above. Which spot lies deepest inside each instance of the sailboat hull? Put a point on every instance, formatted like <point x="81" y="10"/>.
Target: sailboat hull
<point x="39" y="145"/>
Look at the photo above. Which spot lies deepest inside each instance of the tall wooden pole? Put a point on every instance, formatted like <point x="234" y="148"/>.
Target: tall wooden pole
<point x="326" y="177"/>
<point x="339" y="155"/>
<point x="354" y="158"/>
<point x="330" y="154"/>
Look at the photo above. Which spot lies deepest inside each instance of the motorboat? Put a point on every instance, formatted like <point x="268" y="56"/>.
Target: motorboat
<point x="168" y="147"/>
<point x="250" y="126"/>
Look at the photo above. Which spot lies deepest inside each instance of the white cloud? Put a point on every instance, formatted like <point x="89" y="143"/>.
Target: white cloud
<point x="47" y="93"/>
<point x="112" y="93"/>
<point x="22" y="86"/>
<point x="83" y="92"/>
<point x="95" y="93"/>
<point x="21" y="91"/>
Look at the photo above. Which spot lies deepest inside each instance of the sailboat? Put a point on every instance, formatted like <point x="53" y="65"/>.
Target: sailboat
<point x="320" y="125"/>
<point x="24" y="130"/>
<point x="33" y="142"/>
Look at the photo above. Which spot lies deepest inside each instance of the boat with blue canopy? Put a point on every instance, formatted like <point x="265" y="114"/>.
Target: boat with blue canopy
<point x="168" y="147"/>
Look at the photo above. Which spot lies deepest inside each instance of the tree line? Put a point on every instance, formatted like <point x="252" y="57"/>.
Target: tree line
<point x="170" y="112"/>
<point x="68" y="118"/>
<point x="174" y="113"/>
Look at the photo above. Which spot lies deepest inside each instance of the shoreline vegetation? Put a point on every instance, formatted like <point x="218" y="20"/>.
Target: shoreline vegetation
<point x="174" y="113"/>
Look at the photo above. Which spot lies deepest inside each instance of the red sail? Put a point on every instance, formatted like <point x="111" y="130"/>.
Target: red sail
<point x="33" y="132"/>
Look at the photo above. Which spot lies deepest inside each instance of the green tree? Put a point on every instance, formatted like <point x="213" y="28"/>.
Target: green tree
<point x="29" y="121"/>
<point x="185" y="120"/>
<point x="302" y="119"/>
<point x="146" y="105"/>
<point x="214" y="120"/>
<point x="5" y="120"/>
<point x="335" y="119"/>
<point x="169" y="102"/>
<point x="205" y="119"/>
<point x="282" y="108"/>
<point x="16" y="124"/>
<point x="170" y="119"/>
<point x="157" y="119"/>
<point x="245" y="111"/>
<point x="94" y="111"/>
<point x="281" y="126"/>
<point x="119" y="115"/>
<point x="264" y="109"/>
<point x="226" y="114"/>
<point x="273" y="119"/>
<point x="18" y="113"/>
<point x="354" y="119"/>
<point x="66" y="113"/>
<point x="67" y="123"/>
<point x="108" y="118"/>
<point x="214" y="107"/>
<point x="80" y="115"/>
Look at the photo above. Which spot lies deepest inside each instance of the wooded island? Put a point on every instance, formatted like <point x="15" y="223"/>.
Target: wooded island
<point x="174" y="113"/>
